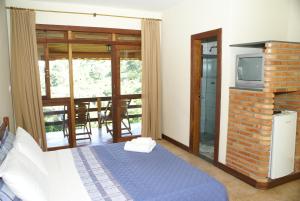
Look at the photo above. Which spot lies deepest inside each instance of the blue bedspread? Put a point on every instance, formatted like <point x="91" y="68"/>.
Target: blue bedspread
<point x="157" y="176"/>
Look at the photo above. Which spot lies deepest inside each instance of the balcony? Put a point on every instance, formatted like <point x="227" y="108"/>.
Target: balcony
<point x="56" y="116"/>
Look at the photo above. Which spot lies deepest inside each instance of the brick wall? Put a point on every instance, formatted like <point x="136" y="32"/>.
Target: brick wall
<point x="291" y="101"/>
<point x="282" y="67"/>
<point x="250" y="112"/>
<point x="249" y="132"/>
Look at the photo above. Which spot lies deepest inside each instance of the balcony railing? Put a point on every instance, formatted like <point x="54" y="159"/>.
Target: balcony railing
<point x="97" y="102"/>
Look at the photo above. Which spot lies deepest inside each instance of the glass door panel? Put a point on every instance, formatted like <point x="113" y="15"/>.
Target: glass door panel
<point x="56" y="106"/>
<point x="128" y="96"/>
<point x="92" y="70"/>
<point x="130" y="73"/>
<point x="92" y="74"/>
<point x="208" y="98"/>
<point x="59" y="70"/>
<point x="56" y="123"/>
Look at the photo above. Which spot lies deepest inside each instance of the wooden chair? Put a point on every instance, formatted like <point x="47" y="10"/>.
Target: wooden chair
<point x="82" y="120"/>
<point x="108" y="119"/>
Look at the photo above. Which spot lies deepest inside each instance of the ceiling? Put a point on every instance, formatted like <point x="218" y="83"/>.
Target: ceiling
<point x="149" y="5"/>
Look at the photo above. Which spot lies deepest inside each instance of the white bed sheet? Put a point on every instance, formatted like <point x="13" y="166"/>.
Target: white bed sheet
<point x="64" y="182"/>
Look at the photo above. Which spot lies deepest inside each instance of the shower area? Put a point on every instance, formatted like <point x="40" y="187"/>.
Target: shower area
<point x="208" y="98"/>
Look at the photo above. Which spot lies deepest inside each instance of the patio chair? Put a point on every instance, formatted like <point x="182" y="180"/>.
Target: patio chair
<point x="108" y="119"/>
<point x="82" y="120"/>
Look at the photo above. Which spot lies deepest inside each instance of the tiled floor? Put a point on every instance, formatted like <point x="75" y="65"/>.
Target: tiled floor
<point x="99" y="136"/>
<point x="238" y="190"/>
<point x="207" y="150"/>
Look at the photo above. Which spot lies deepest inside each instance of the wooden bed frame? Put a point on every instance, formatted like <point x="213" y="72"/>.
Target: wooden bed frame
<point x="4" y="126"/>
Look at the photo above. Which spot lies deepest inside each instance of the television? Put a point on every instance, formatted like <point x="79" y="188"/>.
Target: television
<point x="250" y="71"/>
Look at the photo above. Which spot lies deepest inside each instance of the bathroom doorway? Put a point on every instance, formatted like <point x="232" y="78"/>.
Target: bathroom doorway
<point x="205" y="94"/>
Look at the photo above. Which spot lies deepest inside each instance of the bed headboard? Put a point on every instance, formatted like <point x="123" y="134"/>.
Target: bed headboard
<point x="4" y="127"/>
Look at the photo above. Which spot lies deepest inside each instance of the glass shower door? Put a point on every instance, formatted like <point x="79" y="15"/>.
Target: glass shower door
<point x="208" y="99"/>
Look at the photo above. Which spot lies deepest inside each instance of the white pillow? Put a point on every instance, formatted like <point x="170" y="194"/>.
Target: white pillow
<point x="23" y="177"/>
<point x="26" y="145"/>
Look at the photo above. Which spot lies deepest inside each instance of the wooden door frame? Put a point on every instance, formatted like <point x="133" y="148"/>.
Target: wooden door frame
<point x="195" y="90"/>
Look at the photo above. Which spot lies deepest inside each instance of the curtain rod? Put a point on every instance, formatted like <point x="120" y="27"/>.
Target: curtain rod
<point x="83" y="13"/>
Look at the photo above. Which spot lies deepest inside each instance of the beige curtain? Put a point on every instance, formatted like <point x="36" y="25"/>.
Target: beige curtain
<point x="151" y="91"/>
<point x="25" y="80"/>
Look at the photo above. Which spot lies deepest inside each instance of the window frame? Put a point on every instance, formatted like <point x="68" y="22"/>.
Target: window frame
<point x="69" y="40"/>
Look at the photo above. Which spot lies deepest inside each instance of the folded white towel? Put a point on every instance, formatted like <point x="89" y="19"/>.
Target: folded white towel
<point x="143" y="140"/>
<point x="140" y="145"/>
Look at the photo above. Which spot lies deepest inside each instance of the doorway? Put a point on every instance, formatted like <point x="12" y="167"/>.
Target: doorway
<point x="91" y="84"/>
<point x="205" y="94"/>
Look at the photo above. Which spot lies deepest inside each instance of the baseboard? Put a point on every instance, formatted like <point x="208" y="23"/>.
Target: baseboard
<point x="259" y="185"/>
<point x="275" y="182"/>
<point x="176" y="143"/>
<point x="236" y="174"/>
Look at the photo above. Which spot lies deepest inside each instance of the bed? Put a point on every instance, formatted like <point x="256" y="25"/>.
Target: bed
<point x="110" y="173"/>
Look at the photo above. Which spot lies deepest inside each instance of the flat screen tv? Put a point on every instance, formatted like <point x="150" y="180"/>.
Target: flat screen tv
<point x="250" y="71"/>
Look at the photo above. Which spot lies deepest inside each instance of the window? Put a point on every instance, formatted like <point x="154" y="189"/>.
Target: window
<point x="59" y="70"/>
<point x="92" y="78"/>
<point x="131" y="72"/>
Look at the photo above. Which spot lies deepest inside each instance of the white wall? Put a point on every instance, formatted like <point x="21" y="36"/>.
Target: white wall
<point x="294" y="21"/>
<point x="241" y="21"/>
<point x="179" y="23"/>
<point x="5" y="96"/>
<point x="83" y="20"/>
<point x="256" y="20"/>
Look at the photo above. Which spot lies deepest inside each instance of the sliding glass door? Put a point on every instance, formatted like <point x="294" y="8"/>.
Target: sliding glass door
<point x="91" y="84"/>
<point x="92" y="69"/>
<point x="55" y="85"/>
<point x="127" y="76"/>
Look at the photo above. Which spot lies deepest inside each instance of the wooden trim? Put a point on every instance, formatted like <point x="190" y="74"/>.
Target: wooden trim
<point x="259" y="185"/>
<point x="6" y="122"/>
<point x="218" y="94"/>
<point x="176" y="143"/>
<point x="195" y="98"/>
<point x="128" y="47"/>
<point x="195" y="90"/>
<point x="276" y="182"/>
<point x="82" y="41"/>
<point x="235" y="173"/>
<point x="127" y="138"/>
<point x="47" y="72"/>
<point x="72" y="129"/>
<point x="57" y="148"/>
<point x="55" y="101"/>
<point x="4" y="125"/>
<point x="86" y="29"/>
<point x="115" y="72"/>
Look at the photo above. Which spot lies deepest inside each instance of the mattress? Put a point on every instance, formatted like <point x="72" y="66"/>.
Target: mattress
<point x="110" y="173"/>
